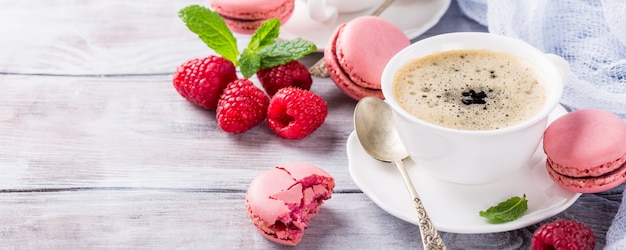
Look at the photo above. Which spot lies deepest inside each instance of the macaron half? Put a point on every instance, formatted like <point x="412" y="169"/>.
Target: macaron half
<point x="245" y="16"/>
<point x="359" y="50"/>
<point x="586" y="151"/>
<point x="282" y="200"/>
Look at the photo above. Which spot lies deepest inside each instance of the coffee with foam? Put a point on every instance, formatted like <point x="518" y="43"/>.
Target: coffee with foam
<point x="470" y="89"/>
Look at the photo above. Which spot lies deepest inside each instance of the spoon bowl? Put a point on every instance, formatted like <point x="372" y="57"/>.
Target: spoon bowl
<point x="376" y="131"/>
<point x="377" y="134"/>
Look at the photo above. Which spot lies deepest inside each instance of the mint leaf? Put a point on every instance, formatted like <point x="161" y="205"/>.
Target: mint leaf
<point x="282" y="52"/>
<point x="250" y="63"/>
<point x="506" y="211"/>
<point x="212" y="30"/>
<point x="265" y="34"/>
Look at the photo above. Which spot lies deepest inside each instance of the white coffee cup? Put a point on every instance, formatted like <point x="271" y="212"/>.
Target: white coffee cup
<point x="327" y="11"/>
<point x="474" y="156"/>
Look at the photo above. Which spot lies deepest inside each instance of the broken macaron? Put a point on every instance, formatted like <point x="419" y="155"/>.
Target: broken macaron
<point x="282" y="200"/>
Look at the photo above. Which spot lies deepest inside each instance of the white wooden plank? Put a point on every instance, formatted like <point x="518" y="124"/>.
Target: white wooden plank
<point x="195" y="219"/>
<point x="137" y="131"/>
<point x="96" y="37"/>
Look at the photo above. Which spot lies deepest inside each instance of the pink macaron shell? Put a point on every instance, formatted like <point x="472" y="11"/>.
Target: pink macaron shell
<point x="282" y="200"/>
<point x="585" y="142"/>
<point x="247" y="15"/>
<point x="586" y="151"/>
<point x="365" y="45"/>
<point x="343" y="82"/>
<point x="590" y="184"/>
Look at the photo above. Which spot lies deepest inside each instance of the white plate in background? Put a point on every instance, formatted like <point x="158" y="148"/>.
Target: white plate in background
<point x="413" y="17"/>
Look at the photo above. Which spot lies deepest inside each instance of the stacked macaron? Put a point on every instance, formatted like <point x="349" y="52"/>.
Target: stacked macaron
<point x="245" y="16"/>
<point x="282" y="200"/>
<point x="358" y="51"/>
<point x="586" y="151"/>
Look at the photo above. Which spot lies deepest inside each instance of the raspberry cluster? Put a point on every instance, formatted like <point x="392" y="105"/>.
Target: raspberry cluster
<point x="293" y="112"/>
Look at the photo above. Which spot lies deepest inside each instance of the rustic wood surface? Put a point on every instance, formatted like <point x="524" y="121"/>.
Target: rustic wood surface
<point x="97" y="150"/>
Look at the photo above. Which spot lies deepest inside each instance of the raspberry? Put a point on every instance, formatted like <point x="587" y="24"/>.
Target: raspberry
<point x="295" y="113"/>
<point x="241" y="107"/>
<point x="202" y="80"/>
<point x="292" y="73"/>
<point x="563" y="234"/>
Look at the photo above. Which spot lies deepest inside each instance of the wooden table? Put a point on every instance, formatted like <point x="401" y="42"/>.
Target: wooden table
<point x="97" y="150"/>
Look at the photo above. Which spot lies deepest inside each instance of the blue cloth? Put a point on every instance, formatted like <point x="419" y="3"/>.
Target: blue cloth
<point x="590" y="35"/>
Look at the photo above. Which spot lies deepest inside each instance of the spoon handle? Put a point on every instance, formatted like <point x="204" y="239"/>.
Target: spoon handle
<point x="430" y="237"/>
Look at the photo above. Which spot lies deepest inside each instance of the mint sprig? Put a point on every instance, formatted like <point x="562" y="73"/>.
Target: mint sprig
<point x="265" y="34"/>
<point x="506" y="211"/>
<point x="282" y="52"/>
<point x="212" y="30"/>
<point x="250" y="62"/>
<point x="262" y="50"/>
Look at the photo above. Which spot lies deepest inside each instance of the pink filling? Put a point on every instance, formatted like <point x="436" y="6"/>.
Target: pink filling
<point x="304" y="199"/>
<point x="603" y="170"/>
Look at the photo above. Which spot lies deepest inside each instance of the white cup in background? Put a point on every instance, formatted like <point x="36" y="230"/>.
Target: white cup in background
<point x="327" y="11"/>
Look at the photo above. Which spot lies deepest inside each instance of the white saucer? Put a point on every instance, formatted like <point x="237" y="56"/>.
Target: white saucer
<point x="413" y="17"/>
<point x="454" y="207"/>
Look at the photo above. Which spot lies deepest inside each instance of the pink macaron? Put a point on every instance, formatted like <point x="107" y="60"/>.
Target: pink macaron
<point x="359" y="50"/>
<point x="586" y="151"/>
<point x="245" y="16"/>
<point x="282" y="200"/>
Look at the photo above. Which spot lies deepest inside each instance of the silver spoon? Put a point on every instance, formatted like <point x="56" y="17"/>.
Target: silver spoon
<point x="319" y="68"/>
<point x="378" y="136"/>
